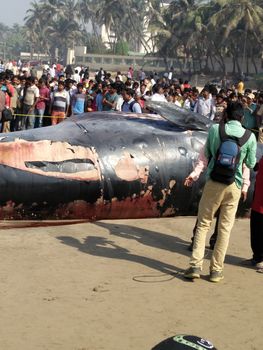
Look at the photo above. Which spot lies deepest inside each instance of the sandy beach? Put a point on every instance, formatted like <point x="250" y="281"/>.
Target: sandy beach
<point x="118" y="285"/>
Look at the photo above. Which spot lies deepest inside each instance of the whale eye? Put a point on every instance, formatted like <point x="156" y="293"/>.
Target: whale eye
<point x="68" y="166"/>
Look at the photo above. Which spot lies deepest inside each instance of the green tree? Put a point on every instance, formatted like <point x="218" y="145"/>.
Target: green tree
<point x="54" y="24"/>
<point x="238" y="23"/>
<point x="124" y="21"/>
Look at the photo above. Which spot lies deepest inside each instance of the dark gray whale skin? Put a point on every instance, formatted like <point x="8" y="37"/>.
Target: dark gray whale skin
<point x="102" y="166"/>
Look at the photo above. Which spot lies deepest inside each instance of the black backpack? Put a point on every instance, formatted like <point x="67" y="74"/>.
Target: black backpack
<point x="228" y="156"/>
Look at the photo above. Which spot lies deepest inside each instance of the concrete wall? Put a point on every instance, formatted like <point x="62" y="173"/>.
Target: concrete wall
<point x="122" y="63"/>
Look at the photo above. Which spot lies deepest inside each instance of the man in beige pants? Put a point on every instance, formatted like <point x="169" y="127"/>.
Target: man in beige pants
<point x="221" y="191"/>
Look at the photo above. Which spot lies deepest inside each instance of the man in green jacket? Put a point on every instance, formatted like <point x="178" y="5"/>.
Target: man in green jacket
<point x="217" y="194"/>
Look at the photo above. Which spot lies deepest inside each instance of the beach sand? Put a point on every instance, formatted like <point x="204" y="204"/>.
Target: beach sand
<point x="117" y="285"/>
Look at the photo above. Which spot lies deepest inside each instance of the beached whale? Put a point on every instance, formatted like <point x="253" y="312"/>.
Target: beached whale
<point x="103" y="166"/>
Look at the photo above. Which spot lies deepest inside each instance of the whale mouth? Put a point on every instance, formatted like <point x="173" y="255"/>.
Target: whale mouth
<point x="52" y="159"/>
<point x="69" y="166"/>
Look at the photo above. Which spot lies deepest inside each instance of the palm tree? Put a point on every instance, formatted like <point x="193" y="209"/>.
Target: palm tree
<point x="87" y="13"/>
<point x="34" y="26"/>
<point x="53" y="23"/>
<point x="124" y="21"/>
<point x="63" y="33"/>
<point x="208" y="30"/>
<point x="239" y="20"/>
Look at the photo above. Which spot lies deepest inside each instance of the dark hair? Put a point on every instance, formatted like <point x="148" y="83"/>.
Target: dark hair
<point x="30" y="79"/>
<point x="113" y="86"/>
<point x="129" y="92"/>
<point x="248" y="91"/>
<point x="206" y="89"/>
<point x="232" y="95"/>
<point x="213" y="90"/>
<point x="235" y="111"/>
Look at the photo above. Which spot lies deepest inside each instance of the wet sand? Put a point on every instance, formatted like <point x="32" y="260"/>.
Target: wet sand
<point x="118" y="285"/>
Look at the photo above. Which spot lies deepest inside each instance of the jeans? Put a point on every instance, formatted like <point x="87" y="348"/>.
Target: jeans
<point x="39" y="120"/>
<point x="27" y="122"/>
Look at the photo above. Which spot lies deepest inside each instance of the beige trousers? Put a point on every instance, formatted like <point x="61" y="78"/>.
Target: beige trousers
<point x="260" y="135"/>
<point x="215" y="195"/>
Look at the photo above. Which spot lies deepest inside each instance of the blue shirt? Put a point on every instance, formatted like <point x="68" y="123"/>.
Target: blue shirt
<point x="78" y="103"/>
<point x="250" y="121"/>
<point x="99" y="104"/>
<point x="136" y="108"/>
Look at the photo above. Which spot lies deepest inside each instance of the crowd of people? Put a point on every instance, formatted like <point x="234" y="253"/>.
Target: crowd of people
<point x="59" y="92"/>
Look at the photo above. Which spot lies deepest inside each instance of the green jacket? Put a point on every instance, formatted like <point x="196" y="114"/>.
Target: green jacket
<point x="248" y="151"/>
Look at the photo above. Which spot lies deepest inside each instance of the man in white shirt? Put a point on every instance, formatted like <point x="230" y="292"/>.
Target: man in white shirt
<point x="52" y="71"/>
<point x="30" y="96"/>
<point x="158" y="96"/>
<point x="76" y="76"/>
<point x="205" y="105"/>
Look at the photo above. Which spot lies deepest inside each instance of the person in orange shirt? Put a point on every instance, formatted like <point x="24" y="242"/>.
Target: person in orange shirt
<point x="240" y="87"/>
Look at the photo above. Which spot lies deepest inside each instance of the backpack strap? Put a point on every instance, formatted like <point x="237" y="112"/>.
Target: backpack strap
<point x="222" y="132"/>
<point x="240" y="140"/>
<point x="131" y="105"/>
<point x="244" y="138"/>
<point x="224" y="136"/>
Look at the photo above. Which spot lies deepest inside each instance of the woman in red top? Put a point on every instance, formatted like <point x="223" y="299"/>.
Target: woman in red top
<point x="9" y="90"/>
<point x="256" y="221"/>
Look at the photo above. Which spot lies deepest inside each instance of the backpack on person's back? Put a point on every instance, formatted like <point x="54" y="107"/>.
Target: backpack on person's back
<point x="131" y="104"/>
<point x="228" y="156"/>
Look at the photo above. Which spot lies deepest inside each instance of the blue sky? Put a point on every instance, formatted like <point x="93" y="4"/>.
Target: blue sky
<point x="13" y="11"/>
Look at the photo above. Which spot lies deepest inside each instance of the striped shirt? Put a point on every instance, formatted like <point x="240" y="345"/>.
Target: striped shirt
<point x="60" y="100"/>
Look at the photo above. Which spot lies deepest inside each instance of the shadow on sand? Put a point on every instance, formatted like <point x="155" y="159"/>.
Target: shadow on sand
<point x="101" y="246"/>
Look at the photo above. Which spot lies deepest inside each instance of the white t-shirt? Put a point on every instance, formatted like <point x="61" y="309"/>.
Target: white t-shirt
<point x="32" y="93"/>
<point x="76" y="77"/>
<point x="158" y="98"/>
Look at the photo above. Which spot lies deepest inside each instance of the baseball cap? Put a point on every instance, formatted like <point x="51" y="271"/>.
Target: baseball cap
<point x="185" y="342"/>
<point x="251" y="96"/>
